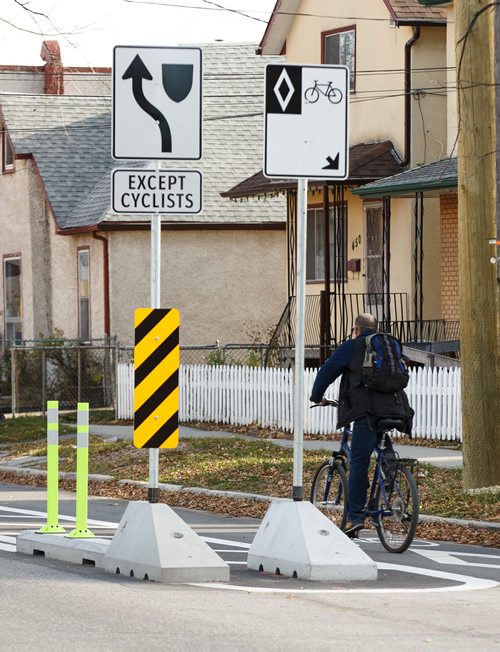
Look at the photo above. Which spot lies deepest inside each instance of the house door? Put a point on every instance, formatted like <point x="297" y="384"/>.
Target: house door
<point x="374" y="259"/>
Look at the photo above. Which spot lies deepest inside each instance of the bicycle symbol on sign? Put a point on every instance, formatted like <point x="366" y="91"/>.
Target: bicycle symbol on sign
<point x="311" y="94"/>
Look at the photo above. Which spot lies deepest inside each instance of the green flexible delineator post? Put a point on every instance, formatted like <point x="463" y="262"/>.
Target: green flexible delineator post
<point x="52" y="525"/>
<point x="81" y="530"/>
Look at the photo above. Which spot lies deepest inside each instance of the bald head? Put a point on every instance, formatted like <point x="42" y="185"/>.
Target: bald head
<point x="365" y="320"/>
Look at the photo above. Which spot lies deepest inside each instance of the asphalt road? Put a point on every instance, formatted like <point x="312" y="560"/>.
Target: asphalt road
<point x="436" y="595"/>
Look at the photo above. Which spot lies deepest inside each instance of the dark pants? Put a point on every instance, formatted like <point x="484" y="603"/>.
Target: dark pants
<point x="362" y="443"/>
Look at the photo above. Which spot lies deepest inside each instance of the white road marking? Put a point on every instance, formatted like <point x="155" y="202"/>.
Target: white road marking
<point x="62" y="517"/>
<point x="452" y="558"/>
<point x="7" y="547"/>
<point x="227" y="542"/>
<point x="466" y="583"/>
<point x="15" y="515"/>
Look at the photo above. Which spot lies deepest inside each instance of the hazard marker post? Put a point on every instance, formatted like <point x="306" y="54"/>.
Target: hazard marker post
<point x="152" y="541"/>
<point x="81" y="530"/>
<point x="156" y="378"/>
<point x="52" y="525"/>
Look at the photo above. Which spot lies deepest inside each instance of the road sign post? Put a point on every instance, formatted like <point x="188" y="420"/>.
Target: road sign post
<point x="306" y="137"/>
<point x="157" y="114"/>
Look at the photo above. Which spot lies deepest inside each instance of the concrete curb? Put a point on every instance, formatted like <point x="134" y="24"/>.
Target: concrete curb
<point x="424" y="518"/>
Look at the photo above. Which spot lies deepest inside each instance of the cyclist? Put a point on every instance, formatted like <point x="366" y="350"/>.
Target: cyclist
<point x="362" y="406"/>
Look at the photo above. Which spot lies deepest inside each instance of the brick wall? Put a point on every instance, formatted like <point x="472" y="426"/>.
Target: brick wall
<point x="449" y="257"/>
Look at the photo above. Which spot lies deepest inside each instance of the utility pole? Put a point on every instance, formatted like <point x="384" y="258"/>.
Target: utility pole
<point x="479" y="309"/>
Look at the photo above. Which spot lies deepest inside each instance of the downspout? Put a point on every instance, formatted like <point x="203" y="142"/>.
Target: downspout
<point x="408" y="48"/>
<point x="105" y="252"/>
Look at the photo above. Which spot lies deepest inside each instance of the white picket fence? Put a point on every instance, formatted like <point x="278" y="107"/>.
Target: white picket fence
<point x="264" y="396"/>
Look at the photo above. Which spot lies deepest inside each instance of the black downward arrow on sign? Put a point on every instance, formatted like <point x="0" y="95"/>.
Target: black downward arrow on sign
<point x="137" y="71"/>
<point x="333" y="164"/>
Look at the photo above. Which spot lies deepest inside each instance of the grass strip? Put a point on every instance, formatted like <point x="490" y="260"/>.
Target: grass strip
<point x="259" y="467"/>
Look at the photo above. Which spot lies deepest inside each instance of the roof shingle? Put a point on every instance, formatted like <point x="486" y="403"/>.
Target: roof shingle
<point x="367" y="161"/>
<point x="411" y="11"/>
<point x="70" y="138"/>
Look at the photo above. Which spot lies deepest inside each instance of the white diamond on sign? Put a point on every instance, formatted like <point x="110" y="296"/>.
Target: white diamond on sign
<point x="306" y="122"/>
<point x="157" y="103"/>
<point x="285" y="83"/>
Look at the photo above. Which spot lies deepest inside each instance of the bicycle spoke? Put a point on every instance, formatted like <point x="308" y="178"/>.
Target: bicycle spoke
<point x="329" y="492"/>
<point x="399" y="518"/>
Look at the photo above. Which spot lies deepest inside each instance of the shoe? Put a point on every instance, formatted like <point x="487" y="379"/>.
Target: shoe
<point x="351" y="529"/>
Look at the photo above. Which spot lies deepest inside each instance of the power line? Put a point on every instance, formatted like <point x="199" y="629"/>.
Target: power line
<point x="243" y="13"/>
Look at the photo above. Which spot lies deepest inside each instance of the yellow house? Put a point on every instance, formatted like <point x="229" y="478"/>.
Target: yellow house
<point x="369" y="254"/>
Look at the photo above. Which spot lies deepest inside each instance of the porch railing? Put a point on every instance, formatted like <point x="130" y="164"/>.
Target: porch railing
<point x="392" y="314"/>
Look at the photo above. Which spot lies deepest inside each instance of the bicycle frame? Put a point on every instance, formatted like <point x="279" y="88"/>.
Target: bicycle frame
<point x="392" y="505"/>
<point x="378" y="475"/>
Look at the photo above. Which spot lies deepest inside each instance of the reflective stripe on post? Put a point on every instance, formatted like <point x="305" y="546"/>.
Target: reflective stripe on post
<point x="52" y="525"/>
<point x="82" y="474"/>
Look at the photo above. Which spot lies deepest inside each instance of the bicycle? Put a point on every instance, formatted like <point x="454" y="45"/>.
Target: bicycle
<point x="392" y="504"/>
<point x="311" y="94"/>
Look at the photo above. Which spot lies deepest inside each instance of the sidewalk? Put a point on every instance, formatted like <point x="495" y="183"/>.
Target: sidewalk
<point x="444" y="457"/>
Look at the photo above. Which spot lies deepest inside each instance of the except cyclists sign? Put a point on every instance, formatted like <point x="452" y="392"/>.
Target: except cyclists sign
<point x="306" y="127"/>
<point x="173" y="192"/>
<point x="157" y="103"/>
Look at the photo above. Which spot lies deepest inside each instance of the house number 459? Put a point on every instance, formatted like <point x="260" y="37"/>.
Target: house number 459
<point x="356" y="242"/>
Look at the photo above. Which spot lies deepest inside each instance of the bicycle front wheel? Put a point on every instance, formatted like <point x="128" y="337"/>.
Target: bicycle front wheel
<point x="399" y="518"/>
<point x="334" y="95"/>
<point x="329" y="491"/>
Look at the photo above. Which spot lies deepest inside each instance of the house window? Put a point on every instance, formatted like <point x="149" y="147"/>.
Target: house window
<point x="374" y="252"/>
<point x="7" y="153"/>
<point x="12" y="299"/>
<point x="339" y="48"/>
<point x="84" y="294"/>
<point x="315" y="257"/>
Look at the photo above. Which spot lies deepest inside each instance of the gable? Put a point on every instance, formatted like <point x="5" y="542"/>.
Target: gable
<point x="69" y="139"/>
<point x="285" y="13"/>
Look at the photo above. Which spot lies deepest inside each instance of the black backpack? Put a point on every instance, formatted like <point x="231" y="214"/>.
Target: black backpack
<point x="384" y="366"/>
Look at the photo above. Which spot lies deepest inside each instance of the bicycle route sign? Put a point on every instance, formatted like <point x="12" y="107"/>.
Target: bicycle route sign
<point x="157" y="103"/>
<point x="306" y="122"/>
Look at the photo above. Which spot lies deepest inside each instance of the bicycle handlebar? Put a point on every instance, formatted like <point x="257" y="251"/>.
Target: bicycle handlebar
<point x="326" y="401"/>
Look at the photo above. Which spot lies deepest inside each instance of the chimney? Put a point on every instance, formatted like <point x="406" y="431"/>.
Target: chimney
<point x="53" y="69"/>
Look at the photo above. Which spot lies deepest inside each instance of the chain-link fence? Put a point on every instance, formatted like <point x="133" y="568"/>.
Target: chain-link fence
<point x="34" y="372"/>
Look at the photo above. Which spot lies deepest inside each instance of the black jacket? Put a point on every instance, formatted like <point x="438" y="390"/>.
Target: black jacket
<point x="355" y="399"/>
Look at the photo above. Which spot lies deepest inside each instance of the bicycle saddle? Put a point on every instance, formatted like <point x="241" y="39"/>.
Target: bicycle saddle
<point x="390" y="423"/>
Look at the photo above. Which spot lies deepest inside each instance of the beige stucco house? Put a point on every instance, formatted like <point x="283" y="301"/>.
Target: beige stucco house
<point x="383" y="255"/>
<point x="70" y="264"/>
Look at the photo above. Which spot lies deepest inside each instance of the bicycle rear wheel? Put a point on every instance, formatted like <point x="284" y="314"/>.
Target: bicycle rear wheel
<point x="329" y="491"/>
<point x="399" y="519"/>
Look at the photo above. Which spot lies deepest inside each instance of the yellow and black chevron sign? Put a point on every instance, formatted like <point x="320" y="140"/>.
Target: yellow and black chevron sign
<point x="156" y="378"/>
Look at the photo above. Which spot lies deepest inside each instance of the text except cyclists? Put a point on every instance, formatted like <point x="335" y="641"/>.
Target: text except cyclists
<point x="164" y="191"/>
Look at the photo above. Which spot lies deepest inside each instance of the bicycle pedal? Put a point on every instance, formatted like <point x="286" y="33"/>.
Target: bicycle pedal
<point x="352" y="535"/>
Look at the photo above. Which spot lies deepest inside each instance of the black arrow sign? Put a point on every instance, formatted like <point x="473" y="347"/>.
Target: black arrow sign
<point x="137" y="71"/>
<point x="333" y="164"/>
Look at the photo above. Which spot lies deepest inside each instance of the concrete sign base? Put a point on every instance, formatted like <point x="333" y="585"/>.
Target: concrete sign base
<point x="153" y="543"/>
<point x="60" y="547"/>
<point x="296" y="540"/>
